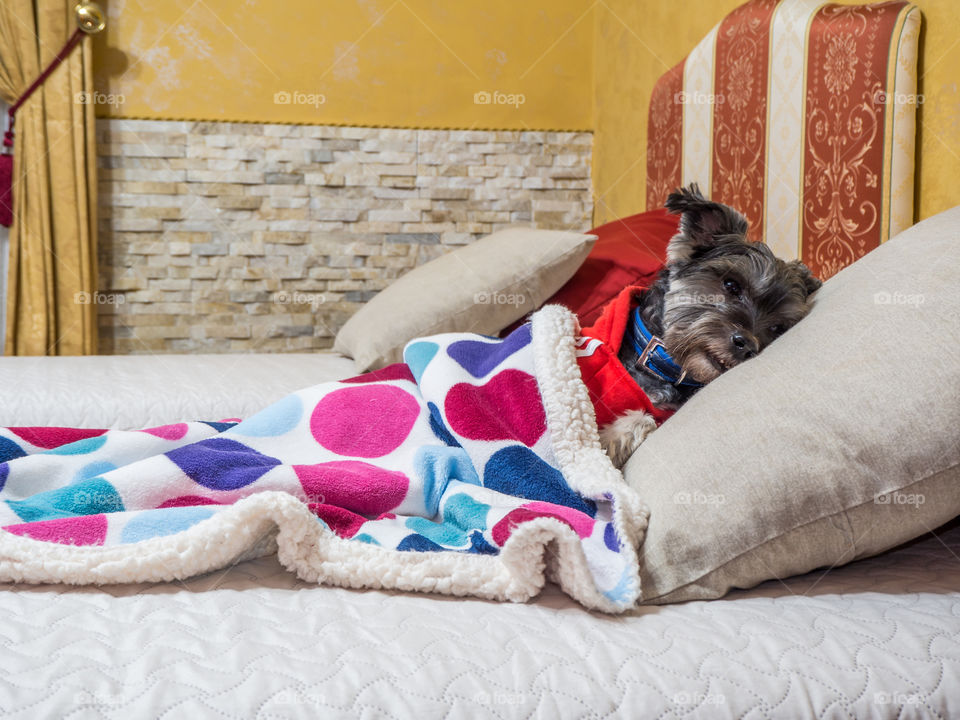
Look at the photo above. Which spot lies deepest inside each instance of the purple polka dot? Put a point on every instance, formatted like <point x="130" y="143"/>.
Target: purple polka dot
<point x="364" y="421"/>
<point x="610" y="538"/>
<point x="222" y="464"/>
<point x="479" y="358"/>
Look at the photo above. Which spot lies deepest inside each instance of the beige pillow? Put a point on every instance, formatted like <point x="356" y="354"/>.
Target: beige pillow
<point x="481" y="288"/>
<point x="838" y="442"/>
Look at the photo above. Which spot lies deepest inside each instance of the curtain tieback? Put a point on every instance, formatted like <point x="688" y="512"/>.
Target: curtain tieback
<point x="6" y="157"/>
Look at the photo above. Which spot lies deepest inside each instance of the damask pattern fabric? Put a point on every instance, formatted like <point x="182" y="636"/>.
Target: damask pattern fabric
<point x="803" y="116"/>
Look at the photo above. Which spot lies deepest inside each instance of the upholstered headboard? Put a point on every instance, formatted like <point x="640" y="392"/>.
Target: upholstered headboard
<point x="803" y="116"/>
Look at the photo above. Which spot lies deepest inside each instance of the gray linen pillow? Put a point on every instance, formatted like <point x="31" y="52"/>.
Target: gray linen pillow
<point x="839" y="441"/>
<point x="481" y="288"/>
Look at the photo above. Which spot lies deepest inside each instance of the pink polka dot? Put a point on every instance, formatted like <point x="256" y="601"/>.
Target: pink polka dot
<point x="397" y="371"/>
<point x="188" y="501"/>
<point x="53" y="437"/>
<point x="343" y="522"/>
<point x="169" y="432"/>
<point x="83" y="530"/>
<point x="354" y="485"/>
<point x="507" y="407"/>
<point x="364" y="421"/>
<point x="581" y="523"/>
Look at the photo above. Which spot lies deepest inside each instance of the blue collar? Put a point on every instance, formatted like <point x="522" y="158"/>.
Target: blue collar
<point x="654" y="357"/>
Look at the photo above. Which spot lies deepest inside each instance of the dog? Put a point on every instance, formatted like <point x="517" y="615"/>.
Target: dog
<point x="719" y="301"/>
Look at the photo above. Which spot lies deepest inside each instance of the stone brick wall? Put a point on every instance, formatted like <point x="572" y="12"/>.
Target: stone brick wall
<point x="219" y="237"/>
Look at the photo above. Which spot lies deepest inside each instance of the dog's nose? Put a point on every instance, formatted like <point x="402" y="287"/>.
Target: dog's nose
<point x="744" y="346"/>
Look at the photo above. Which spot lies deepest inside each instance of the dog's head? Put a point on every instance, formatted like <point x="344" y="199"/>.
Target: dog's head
<point x="727" y="297"/>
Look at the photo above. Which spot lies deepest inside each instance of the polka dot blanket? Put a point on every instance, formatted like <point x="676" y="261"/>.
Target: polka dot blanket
<point x="472" y="468"/>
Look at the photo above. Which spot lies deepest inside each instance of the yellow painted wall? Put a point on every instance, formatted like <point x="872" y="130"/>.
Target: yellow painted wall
<point x="402" y="63"/>
<point x="419" y="63"/>
<point x="637" y="40"/>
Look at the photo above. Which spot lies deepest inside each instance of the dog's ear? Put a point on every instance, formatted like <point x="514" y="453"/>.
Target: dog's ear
<point x="703" y="224"/>
<point x="811" y="283"/>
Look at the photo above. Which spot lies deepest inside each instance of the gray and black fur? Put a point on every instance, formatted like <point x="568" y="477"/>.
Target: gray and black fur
<point x="720" y="300"/>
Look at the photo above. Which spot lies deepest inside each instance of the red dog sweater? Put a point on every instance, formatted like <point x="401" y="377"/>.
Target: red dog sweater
<point x="612" y="391"/>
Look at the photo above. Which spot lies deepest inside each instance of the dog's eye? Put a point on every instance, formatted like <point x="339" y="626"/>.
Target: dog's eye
<point x="732" y="287"/>
<point x="777" y="330"/>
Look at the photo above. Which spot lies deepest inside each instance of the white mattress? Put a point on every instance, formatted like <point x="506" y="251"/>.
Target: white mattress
<point x="137" y="391"/>
<point x="879" y="638"/>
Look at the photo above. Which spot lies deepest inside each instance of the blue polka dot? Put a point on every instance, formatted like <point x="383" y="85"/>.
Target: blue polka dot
<point x="418" y="355"/>
<point x="166" y="521"/>
<point x="518" y="471"/>
<point x="479" y="544"/>
<point x="79" y="447"/>
<point x="368" y="539"/>
<point x="462" y="516"/>
<point x="278" y="419"/>
<point x="465" y="512"/>
<point x="436" y="466"/>
<point x="442" y="534"/>
<point x="9" y="450"/>
<point x="90" y="497"/>
<point x="417" y="543"/>
<point x="438" y="427"/>
<point x="624" y="590"/>
<point x="219" y="426"/>
<point x="91" y="470"/>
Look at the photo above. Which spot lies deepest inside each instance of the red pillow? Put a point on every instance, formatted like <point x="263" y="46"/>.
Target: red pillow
<point x="629" y="251"/>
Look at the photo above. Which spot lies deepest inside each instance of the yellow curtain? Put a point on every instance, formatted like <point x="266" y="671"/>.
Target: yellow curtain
<point x="51" y="282"/>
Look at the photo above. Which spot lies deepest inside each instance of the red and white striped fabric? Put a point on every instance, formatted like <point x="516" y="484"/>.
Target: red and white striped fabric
<point x="803" y="116"/>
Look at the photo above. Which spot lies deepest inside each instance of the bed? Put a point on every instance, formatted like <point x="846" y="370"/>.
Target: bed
<point x="878" y="638"/>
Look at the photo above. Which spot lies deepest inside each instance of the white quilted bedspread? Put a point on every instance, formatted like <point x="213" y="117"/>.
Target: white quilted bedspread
<point x="137" y="391"/>
<point x="876" y="639"/>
